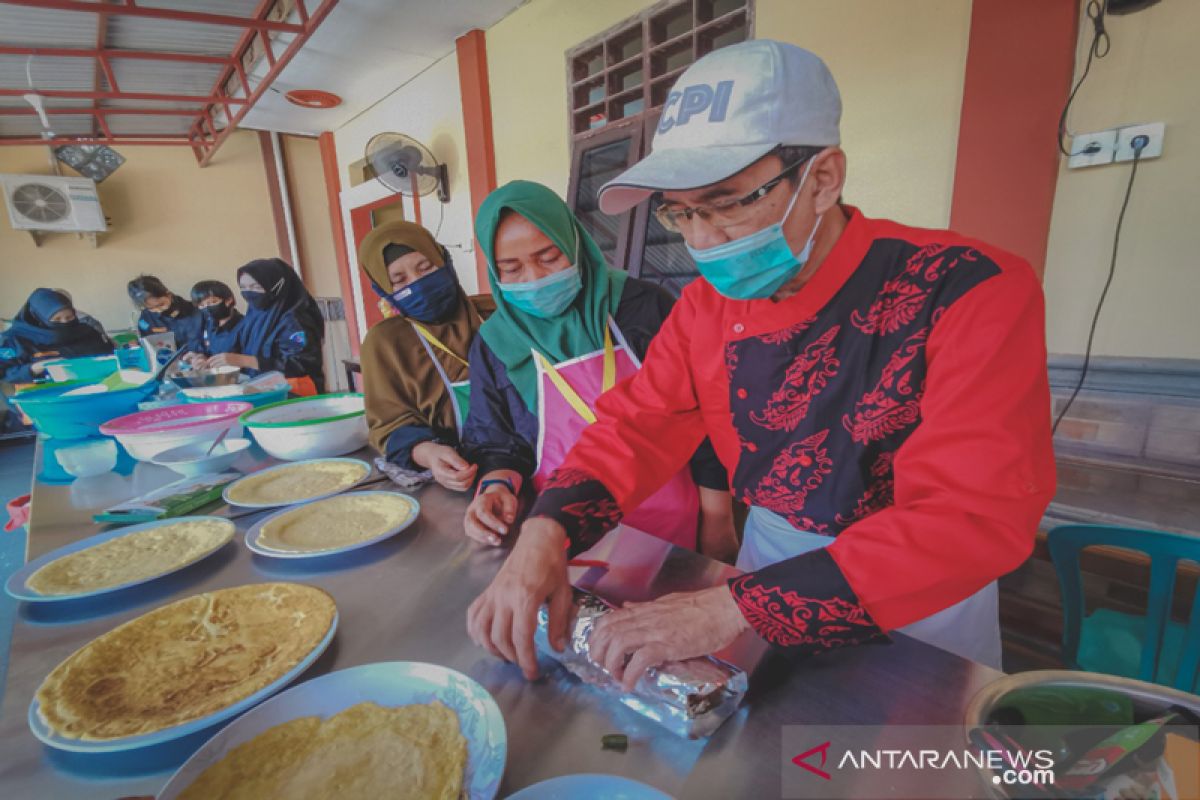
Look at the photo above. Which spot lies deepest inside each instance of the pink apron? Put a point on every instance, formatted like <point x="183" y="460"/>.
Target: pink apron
<point x="567" y="393"/>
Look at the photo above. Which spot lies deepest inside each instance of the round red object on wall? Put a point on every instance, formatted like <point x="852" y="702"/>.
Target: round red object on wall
<point x="313" y="98"/>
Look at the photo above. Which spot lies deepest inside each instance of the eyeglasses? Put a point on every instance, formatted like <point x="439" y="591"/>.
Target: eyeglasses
<point x="723" y="213"/>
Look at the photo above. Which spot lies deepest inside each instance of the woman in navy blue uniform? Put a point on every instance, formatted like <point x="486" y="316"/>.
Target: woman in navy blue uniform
<point x="163" y="311"/>
<point x="46" y="328"/>
<point x="221" y="316"/>
<point x="282" y="330"/>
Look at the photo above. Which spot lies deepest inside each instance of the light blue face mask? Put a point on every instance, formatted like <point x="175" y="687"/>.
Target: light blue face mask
<point x="549" y="296"/>
<point x="755" y="266"/>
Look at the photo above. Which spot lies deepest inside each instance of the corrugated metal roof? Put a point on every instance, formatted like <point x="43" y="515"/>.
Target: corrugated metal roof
<point x="48" y="72"/>
<point x="229" y="8"/>
<point x="62" y="124"/>
<point x="121" y="103"/>
<point x="171" y="36"/>
<point x="136" y="123"/>
<point x="21" y="26"/>
<point x="164" y="77"/>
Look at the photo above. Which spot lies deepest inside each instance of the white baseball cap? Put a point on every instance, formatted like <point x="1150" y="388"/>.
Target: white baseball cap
<point x="728" y="110"/>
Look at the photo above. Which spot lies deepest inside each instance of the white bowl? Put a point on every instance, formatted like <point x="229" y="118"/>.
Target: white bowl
<point x="190" y="459"/>
<point x="89" y="458"/>
<point x="145" y="446"/>
<point x="310" y="427"/>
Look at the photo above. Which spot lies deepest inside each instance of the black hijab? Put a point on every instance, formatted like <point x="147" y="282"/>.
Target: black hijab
<point x="33" y="329"/>
<point x="285" y="293"/>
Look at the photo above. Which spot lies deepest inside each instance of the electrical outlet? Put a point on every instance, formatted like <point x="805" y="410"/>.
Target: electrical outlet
<point x="1106" y="141"/>
<point x="1154" y="131"/>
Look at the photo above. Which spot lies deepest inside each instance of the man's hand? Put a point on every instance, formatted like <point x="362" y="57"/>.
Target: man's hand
<point x="232" y="360"/>
<point x="491" y="514"/>
<point x="631" y="640"/>
<point x="504" y="618"/>
<point x="449" y="468"/>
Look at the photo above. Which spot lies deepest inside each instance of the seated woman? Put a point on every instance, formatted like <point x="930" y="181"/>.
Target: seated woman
<point x="566" y="328"/>
<point x="162" y="311"/>
<point x="282" y="330"/>
<point x="414" y="366"/>
<point x="46" y="328"/>
<point x="221" y="316"/>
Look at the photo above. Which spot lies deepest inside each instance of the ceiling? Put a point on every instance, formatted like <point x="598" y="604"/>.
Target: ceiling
<point x="170" y="71"/>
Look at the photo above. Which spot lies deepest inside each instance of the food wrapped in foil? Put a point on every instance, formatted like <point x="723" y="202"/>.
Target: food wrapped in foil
<point x="691" y="698"/>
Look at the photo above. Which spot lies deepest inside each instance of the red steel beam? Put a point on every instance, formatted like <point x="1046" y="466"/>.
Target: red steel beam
<point x="152" y="96"/>
<point x="316" y="17"/>
<point x="239" y="49"/>
<point x="102" y="65"/>
<point x="111" y="53"/>
<point x="119" y="140"/>
<point x="130" y="10"/>
<point x="17" y="111"/>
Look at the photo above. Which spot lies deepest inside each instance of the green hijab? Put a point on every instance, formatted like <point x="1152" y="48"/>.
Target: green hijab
<point x="511" y="333"/>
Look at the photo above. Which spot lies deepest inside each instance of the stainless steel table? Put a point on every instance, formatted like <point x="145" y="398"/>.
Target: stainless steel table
<point x="406" y="599"/>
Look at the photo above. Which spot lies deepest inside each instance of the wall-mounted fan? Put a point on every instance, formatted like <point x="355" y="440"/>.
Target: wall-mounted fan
<point x="404" y="165"/>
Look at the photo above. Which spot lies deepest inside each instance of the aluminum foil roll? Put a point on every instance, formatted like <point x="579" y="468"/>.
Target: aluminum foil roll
<point x="691" y="698"/>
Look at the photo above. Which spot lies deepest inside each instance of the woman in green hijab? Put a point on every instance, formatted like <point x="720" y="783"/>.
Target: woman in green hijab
<point x="415" y="374"/>
<point x="565" y="329"/>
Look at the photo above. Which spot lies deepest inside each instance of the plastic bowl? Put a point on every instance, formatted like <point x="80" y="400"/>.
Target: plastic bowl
<point x="190" y="459"/>
<point x="221" y="376"/>
<point x="89" y="368"/>
<point x="310" y="427"/>
<point x="86" y="459"/>
<point x="148" y="433"/>
<point x="256" y="399"/>
<point x="62" y="416"/>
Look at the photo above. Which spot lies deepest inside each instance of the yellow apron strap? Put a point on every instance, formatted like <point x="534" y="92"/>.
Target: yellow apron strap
<point x="610" y="362"/>
<point x="568" y="391"/>
<point x="433" y="340"/>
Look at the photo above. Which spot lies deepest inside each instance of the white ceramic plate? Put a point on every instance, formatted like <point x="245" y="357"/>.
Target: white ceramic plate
<point x="394" y="683"/>
<point x="255" y="532"/>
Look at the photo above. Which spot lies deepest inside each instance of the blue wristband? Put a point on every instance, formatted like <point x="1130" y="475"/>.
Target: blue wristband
<point x="488" y="482"/>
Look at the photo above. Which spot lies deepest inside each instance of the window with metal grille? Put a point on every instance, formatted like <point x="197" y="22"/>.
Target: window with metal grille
<point x="618" y="82"/>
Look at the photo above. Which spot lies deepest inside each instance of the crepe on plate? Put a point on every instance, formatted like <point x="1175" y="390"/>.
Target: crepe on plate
<point x="336" y="522"/>
<point x="131" y="558"/>
<point x="365" y="751"/>
<point x="184" y="661"/>
<point x="296" y="482"/>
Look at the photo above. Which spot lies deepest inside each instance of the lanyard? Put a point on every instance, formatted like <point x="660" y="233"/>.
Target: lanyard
<point x="568" y="391"/>
<point x="433" y="340"/>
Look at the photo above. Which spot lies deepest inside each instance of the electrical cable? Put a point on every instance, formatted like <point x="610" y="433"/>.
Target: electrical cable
<point x="441" y="219"/>
<point x="1112" y="270"/>
<point x="1096" y="9"/>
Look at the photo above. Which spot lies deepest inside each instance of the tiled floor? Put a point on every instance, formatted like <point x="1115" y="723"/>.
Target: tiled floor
<point x="16" y="470"/>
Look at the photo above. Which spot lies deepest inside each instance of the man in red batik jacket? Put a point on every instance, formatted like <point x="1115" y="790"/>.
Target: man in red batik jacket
<point x="878" y="394"/>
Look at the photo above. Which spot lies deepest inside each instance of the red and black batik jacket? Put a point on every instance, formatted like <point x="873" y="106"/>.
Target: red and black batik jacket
<point x="898" y="402"/>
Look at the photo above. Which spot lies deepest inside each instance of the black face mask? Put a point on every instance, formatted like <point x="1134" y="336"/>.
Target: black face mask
<point x="218" y="311"/>
<point x="255" y="299"/>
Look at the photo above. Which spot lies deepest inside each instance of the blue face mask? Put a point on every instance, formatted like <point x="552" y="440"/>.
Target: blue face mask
<point x="429" y="299"/>
<point x="549" y="296"/>
<point x="755" y="266"/>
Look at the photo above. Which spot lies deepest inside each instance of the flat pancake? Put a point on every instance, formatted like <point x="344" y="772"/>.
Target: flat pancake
<point x="297" y="482"/>
<point x="184" y="661"/>
<point x="336" y="522"/>
<point x="134" y="557"/>
<point x="366" y="751"/>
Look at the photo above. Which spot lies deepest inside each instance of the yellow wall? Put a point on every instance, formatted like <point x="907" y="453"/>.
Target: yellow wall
<point x="310" y="214"/>
<point x="167" y="217"/>
<point x="899" y="66"/>
<point x="428" y="108"/>
<point x="1151" y="308"/>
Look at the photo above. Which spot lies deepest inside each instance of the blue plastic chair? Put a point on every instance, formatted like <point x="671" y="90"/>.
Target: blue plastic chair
<point x="1151" y="648"/>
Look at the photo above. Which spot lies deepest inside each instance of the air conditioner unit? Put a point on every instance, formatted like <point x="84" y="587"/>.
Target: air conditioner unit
<point x="53" y="203"/>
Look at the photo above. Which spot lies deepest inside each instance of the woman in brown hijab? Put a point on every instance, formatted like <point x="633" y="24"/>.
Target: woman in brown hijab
<point x="414" y="364"/>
